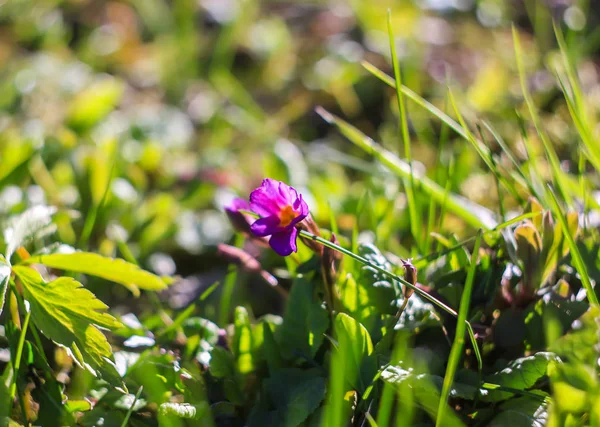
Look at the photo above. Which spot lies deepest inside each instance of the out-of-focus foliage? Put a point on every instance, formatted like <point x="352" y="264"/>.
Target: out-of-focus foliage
<point x="126" y="126"/>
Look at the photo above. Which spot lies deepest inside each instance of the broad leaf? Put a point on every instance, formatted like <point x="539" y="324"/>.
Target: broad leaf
<point x="70" y="315"/>
<point x="355" y="348"/>
<point x="222" y="364"/>
<point x="115" y="270"/>
<point x="34" y="222"/>
<point x="580" y="344"/>
<point x="293" y="393"/>
<point x="519" y="374"/>
<point x="426" y="390"/>
<point x="380" y="289"/>
<point x="304" y="323"/>
<point x="426" y="384"/>
<point x="522" y="412"/>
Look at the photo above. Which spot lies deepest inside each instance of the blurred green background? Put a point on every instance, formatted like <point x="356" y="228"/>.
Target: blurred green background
<point x="141" y="119"/>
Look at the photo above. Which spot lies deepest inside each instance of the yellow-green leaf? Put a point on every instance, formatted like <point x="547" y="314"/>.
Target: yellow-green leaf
<point x="93" y="104"/>
<point x="68" y="314"/>
<point x="115" y="270"/>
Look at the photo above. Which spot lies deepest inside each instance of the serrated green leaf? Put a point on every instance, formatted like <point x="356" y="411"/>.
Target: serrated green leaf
<point x="34" y="222"/>
<point x="113" y="269"/>
<point x="519" y="374"/>
<point x="304" y="323"/>
<point x="67" y="313"/>
<point x="4" y="279"/>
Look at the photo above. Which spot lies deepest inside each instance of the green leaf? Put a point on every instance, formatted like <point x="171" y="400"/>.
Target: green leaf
<point x="426" y="389"/>
<point x="5" y="399"/>
<point x="574" y="386"/>
<point x="78" y="406"/>
<point x="33" y="223"/>
<point x="519" y="374"/>
<point x="94" y="103"/>
<point x="221" y="363"/>
<point x="529" y="249"/>
<point x="48" y="391"/>
<point x="355" y="347"/>
<point x="295" y="394"/>
<point x="70" y="315"/>
<point x="113" y="269"/>
<point x="472" y="213"/>
<point x="580" y="344"/>
<point x="304" y="323"/>
<point x="380" y="289"/>
<point x="183" y="410"/>
<point x="271" y="350"/>
<point x="4" y="279"/>
<point x="522" y="412"/>
<point x="242" y="341"/>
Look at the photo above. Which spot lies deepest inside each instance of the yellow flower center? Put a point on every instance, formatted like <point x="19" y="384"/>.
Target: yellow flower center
<point x="286" y="216"/>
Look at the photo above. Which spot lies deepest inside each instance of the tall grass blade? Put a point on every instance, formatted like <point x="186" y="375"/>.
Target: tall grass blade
<point x="424" y="104"/>
<point x="459" y="339"/>
<point x="472" y="213"/>
<point x="415" y="219"/>
<point x="575" y="254"/>
<point x="576" y="103"/>
<point x="548" y="148"/>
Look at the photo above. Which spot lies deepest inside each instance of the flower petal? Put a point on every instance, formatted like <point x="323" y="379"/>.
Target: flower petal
<point x="266" y="199"/>
<point x="287" y="193"/>
<point x="284" y="243"/>
<point x="236" y="204"/>
<point x="265" y="226"/>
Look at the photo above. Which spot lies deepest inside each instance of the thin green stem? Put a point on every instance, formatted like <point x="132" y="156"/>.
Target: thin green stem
<point x="32" y="327"/>
<point x="459" y="338"/>
<point x="17" y="362"/>
<point x="130" y="410"/>
<point x="381" y="270"/>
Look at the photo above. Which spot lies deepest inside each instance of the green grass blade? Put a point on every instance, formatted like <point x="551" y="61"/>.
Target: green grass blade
<point x="130" y="410"/>
<point x="548" y="148"/>
<point x="472" y="213"/>
<point x="422" y="261"/>
<point x="518" y="175"/>
<point x="576" y="103"/>
<point x="415" y="219"/>
<point x="575" y="254"/>
<point x="459" y="339"/>
<point x="424" y="104"/>
<point x="415" y="98"/>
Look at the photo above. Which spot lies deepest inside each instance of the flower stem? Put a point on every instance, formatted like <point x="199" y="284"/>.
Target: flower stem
<point x="381" y="270"/>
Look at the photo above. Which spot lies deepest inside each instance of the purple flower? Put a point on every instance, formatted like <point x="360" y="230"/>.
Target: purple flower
<point x="239" y="220"/>
<point x="281" y="208"/>
<point x="237" y="205"/>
